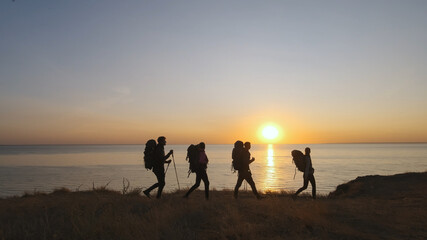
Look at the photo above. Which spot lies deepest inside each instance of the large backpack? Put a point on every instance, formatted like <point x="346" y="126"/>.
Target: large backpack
<point x="299" y="160"/>
<point x="236" y="155"/>
<point x="149" y="154"/>
<point x="193" y="158"/>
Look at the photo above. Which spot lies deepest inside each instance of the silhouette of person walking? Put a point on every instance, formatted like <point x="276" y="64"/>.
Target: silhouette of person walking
<point x="244" y="172"/>
<point x="308" y="175"/>
<point x="201" y="171"/>
<point x="159" y="169"/>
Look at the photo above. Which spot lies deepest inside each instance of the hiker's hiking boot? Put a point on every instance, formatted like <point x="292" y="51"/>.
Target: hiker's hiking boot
<point x="146" y="193"/>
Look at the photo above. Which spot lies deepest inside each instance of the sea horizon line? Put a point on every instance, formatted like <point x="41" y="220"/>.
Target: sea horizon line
<point x="118" y="144"/>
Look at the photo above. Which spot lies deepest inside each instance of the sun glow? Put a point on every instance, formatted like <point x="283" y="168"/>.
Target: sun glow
<point x="270" y="132"/>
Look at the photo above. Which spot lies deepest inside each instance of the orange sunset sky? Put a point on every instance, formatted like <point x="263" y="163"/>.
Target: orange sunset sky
<point x="113" y="72"/>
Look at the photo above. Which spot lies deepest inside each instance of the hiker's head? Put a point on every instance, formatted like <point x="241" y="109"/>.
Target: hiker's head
<point x="238" y="144"/>
<point x="202" y="145"/>
<point x="247" y="145"/>
<point x="307" y="151"/>
<point x="161" y="140"/>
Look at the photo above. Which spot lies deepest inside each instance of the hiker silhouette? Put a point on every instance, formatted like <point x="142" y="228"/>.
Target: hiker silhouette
<point x="200" y="170"/>
<point x="308" y="174"/>
<point x="243" y="157"/>
<point x="158" y="167"/>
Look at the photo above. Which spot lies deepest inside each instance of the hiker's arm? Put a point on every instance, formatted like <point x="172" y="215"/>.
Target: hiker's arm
<point x="168" y="155"/>
<point x="252" y="160"/>
<point x="167" y="161"/>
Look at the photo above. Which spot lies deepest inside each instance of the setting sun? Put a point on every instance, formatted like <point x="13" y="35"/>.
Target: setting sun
<point x="270" y="132"/>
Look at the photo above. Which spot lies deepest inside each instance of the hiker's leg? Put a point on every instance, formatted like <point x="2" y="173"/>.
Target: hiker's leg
<point x="251" y="182"/>
<point x="238" y="184"/>
<point x="303" y="187"/>
<point x="148" y="190"/>
<point x="196" y="185"/>
<point x="161" y="178"/>
<point x="205" y="179"/>
<point x="313" y="185"/>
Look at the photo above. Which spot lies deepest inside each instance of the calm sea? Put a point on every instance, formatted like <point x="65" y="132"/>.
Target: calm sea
<point x="46" y="167"/>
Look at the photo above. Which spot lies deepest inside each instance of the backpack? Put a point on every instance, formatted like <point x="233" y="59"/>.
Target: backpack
<point x="236" y="155"/>
<point x="149" y="154"/>
<point x="192" y="158"/>
<point x="299" y="160"/>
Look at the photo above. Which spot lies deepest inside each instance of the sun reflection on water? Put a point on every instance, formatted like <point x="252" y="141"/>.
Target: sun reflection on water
<point x="270" y="154"/>
<point x="270" y="176"/>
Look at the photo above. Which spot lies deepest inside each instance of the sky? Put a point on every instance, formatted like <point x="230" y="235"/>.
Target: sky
<point x="122" y="72"/>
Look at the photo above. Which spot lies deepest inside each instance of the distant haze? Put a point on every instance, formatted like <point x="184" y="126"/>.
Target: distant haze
<point x="121" y="72"/>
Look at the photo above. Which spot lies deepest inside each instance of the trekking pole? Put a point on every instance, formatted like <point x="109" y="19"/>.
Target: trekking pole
<point x="173" y="158"/>
<point x="167" y="168"/>
<point x="295" y="172"/>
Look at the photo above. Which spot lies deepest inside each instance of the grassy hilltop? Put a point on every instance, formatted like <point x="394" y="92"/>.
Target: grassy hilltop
<point x="371" y="207"/>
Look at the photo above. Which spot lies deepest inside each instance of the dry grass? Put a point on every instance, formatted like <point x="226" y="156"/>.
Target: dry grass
<point x="105" y="214"/>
